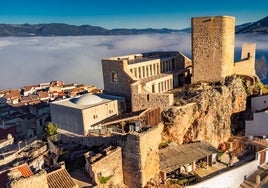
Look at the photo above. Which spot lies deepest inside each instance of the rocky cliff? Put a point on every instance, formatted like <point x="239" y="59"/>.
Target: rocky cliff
<point x="208" y="111"/>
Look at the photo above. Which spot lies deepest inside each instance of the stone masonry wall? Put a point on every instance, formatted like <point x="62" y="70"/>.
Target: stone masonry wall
<point x="122" y="86"/>
<point x="247" y="64"/>
<point x="143" y="101"/>
<point x="212" y="48"/>
<point x="131" y="161"/>
<point x="149" y="143"/>
<point x="109" y="166"/>
<point x="140" y="156"/>
<point x="37" y="180"/>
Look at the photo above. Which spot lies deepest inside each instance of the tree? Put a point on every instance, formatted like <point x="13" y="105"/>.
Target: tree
<point x="51" y="129"/>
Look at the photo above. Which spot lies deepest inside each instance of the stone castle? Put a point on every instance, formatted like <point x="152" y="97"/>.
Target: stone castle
<point x="152" y="80"/>
<point x="147" y="80"/>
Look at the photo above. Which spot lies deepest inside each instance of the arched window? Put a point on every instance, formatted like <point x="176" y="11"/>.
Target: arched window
<point x="114" y="77"/>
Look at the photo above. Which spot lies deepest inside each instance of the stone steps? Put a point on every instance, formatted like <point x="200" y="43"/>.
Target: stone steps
<point x="248" y="184"/>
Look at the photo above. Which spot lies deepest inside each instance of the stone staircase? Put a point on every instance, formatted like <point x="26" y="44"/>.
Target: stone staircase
<point x="250" y="182"/>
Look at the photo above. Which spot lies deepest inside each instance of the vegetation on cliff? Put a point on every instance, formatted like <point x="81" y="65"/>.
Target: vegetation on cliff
<point x="209" y="111"/>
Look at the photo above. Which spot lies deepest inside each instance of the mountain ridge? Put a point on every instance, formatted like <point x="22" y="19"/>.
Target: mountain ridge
<point x="62" y="29"/>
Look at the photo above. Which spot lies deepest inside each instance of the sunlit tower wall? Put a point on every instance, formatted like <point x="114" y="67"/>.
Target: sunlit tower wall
<point x="213" y="40"/>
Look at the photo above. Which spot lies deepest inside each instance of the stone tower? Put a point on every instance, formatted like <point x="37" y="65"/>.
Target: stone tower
<point x="212" y="48"/>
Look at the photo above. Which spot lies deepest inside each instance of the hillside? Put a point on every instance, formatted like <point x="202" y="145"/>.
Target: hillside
<point x="260" y="26"/>
<point x="210" y="112"/>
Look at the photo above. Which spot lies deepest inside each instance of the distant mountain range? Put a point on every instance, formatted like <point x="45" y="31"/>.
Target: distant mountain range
<point x="260" y="26"/>
<point x="60" y="29"/>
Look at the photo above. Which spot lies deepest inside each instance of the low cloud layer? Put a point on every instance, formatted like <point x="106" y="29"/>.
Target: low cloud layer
<point x="78" y="59"/>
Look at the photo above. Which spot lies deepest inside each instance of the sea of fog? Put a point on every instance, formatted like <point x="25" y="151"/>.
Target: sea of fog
<point x="33" y="60"/>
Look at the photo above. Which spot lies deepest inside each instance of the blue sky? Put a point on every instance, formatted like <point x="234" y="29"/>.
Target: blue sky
<point x="128" y="13"/>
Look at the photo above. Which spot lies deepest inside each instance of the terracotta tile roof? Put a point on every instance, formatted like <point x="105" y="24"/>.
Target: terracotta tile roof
<point x="42" y="94"/>
<point x="12" y="94"/>
<point x="27" y="88"/>
<point x="25" y="170"/>
<point x="60" y="179"/>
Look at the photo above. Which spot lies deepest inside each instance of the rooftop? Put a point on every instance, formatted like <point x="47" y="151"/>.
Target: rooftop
<point x="174" y="155"/>
<point x="60" y="179"/>
<point x="82" y="102"/>
<point x="137" y="58"/>
<point x="25" y="170"/>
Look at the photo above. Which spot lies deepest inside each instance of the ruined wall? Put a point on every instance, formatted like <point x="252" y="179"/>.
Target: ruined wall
<point x="207" y="114"/>
<point x="109" y="166"/>
<point x="212" y="48"/>
<point x="140" y="156"/>
<point x="149" y="143"/>
<point x="247" y="64"/>
<point x="36" y="180"/>
<point x="142" y="101"/>
<point x="89" y="141"/>
<point x="131" y="161"/>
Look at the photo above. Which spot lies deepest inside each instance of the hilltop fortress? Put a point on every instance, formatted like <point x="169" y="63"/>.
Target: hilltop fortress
<point x="151" y="83"/>
<point x="147" y="79"/>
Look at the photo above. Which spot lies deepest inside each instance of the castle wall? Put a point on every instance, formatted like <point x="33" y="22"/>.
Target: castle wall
<point x="150" y="100"/>
<point x="247" y="64"/>
<point x="150" y="162"/>
<point x="212" y="48"/>
<point x="140" y="156"/>
<point x="109" y="166"/>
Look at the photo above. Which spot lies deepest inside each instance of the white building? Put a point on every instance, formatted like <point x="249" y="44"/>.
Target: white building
<point x="80" y="114"/>
<point x="259" y="103"/>
<point x="258" y="126"/>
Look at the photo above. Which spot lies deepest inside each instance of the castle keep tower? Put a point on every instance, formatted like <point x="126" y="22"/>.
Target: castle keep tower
<point x="212" y="48"/>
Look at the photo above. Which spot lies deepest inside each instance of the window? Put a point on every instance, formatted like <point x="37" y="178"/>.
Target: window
<point x="114" y="77"/>
<point x="153" y="88"/>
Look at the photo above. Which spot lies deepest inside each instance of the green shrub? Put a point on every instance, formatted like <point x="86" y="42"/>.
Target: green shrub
<point x="104" y="180"/>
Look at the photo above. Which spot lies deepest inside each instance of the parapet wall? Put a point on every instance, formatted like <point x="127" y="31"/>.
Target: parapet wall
<point x="247" y="64"/>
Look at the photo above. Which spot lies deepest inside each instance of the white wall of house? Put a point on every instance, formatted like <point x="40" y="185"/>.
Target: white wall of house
<point x="259" y="103"/>
<point x="258" y="126"/>
<point x="231" y="178"/>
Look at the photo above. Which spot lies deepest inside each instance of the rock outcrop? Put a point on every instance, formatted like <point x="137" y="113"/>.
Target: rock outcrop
<point x="207" y="111"/>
